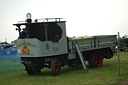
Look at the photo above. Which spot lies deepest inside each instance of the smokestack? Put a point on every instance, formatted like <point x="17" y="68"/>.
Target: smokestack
<point x="118" y="35"/>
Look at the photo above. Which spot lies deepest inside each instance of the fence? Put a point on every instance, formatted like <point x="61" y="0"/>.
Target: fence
<point x="10" y="63"/>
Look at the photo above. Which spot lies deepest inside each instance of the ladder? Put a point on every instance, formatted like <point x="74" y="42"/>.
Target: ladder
<point x="80" y="56"/>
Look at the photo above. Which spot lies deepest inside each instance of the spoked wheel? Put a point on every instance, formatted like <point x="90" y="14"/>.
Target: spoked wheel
<point x="96" y="60"/>
<point x="56" y="66"/>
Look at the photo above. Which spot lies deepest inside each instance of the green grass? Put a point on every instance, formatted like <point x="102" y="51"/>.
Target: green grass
<point x="105" y="75"/>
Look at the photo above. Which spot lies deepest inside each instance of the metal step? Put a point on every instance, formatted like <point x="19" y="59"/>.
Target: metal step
<point x="81" y="56"/>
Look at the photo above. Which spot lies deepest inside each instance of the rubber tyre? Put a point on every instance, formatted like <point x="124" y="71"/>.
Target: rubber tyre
<point x="96" y="60"/>
<point x="56" y="66"/>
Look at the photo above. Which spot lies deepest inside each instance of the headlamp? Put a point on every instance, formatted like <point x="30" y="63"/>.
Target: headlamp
<point x="28" y="16"/>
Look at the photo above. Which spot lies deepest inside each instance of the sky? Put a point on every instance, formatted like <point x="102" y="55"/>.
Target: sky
<point x="83" y="17"/>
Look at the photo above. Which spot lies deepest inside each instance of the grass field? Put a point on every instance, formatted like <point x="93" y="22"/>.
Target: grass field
<point x="105" y="75"/>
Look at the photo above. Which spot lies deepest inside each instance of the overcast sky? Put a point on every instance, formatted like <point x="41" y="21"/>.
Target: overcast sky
<point x="84" y="17"/>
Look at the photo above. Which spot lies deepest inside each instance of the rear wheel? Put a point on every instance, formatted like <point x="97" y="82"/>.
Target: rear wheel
<point x="56" y="66"/>
<point x="96" y="60"/>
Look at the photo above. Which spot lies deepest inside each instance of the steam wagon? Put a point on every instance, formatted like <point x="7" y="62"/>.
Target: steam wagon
<point x="123" y="43"/>
<point x="43" y="43"/>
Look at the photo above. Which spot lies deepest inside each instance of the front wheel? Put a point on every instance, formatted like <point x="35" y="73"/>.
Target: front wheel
<point x="96" y="60"/>
<point x="56" y="66"/>
<point x="30" y="71"/>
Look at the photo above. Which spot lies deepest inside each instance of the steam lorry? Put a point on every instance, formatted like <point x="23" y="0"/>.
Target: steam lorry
<point x="123" y="43"/>
<point x="44" y="43"/>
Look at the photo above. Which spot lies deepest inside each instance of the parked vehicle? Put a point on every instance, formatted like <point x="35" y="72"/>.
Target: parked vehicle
<point x="45" y="44"/>
<point x="7" y="49"/>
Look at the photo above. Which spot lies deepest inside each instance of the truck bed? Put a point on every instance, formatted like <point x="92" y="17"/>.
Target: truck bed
<point x="95" y="42"/>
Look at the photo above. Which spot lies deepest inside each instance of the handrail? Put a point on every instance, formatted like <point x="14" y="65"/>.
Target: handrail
<point x="49" y="19"/>
<point x="45" y="20"/>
